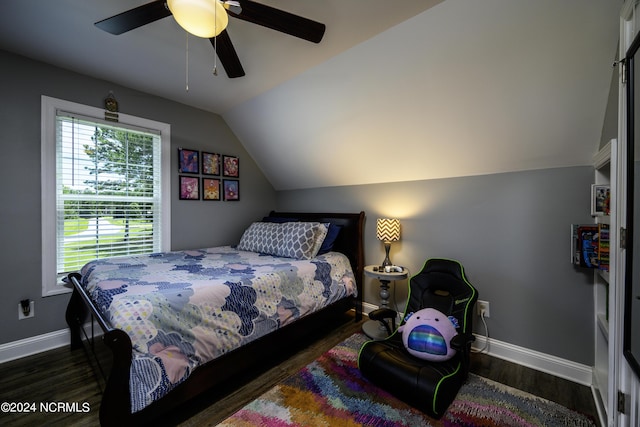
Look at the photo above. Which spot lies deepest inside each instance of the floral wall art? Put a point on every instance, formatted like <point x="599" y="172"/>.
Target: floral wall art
<point x="208" y="168"/>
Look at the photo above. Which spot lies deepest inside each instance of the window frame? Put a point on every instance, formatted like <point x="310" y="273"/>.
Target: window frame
<point x="52" y="283"/>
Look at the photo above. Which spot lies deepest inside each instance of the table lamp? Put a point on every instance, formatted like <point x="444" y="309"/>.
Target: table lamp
<point x="388" y="230"/>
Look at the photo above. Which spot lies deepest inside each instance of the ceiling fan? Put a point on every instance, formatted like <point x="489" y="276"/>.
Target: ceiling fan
<point x="246" y="10"/>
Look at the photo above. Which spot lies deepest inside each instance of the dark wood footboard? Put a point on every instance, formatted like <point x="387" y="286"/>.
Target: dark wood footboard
<point x="115" y="407"/>
<point x="82" y="314"/>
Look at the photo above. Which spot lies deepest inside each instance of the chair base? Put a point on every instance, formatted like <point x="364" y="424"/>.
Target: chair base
<point x="428" y="387"/>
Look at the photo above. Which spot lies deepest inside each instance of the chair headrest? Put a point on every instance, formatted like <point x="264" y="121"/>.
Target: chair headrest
<point x="446" y="266"/>
<point x="441" y="284"/>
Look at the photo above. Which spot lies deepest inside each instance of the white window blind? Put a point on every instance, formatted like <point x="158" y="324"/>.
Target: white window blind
<point x="105" y="188"/>
<point x="108" y="198"/>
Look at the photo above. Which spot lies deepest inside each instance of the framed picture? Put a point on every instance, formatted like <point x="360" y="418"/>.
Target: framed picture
<point x="230" y="166"/>
<point x="189" y="188"/>
<point x="600" y="200"/>
<point x="188" y="161"/>
<point x="210" y="163"/>
<point x="231" y="189"/>
<point x="210" y="189"/>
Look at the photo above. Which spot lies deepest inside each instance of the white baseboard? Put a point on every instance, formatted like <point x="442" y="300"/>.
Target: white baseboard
<point x="33" y="345"/>
<point x="572" y="371"/>
<point x="39" y="343"/>
<point x="576" y="372"/>
<point x="367" y="308"/>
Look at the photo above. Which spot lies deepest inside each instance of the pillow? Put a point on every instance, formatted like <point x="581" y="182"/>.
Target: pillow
<point x="327" y="243"/>
<point x="289" y="239"/>
<point x="427" y="334"/>
<point x="321" y="234"/>
<point x="330" y="239"/>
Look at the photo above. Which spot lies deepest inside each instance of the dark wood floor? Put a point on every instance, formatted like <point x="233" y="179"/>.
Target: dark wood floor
<point x="567" y="393"/>
<point x="62" y="375"/>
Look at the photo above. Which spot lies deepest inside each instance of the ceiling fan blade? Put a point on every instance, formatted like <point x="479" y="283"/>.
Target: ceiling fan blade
<point x="134" y="18"/>
<point x="279" y="20"/>
<point x="227" y="55"/>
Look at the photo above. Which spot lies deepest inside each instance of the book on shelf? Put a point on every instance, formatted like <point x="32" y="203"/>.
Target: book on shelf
<point x="590" y="245"/>
<point x="603" y="247"/>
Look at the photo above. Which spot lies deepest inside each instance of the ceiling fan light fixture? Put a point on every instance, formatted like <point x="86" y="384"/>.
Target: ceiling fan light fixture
<point x="202" y="18"/>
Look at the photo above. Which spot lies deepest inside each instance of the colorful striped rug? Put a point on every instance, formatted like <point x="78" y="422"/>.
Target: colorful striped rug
<point x="331" y="392"/>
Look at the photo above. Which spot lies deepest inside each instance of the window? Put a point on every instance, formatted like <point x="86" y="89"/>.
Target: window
<point x="105" y="188"/>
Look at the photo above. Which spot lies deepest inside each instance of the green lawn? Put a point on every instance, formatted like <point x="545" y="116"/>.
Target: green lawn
<point x="75" y="226"/>
<point x="79" y="252"/>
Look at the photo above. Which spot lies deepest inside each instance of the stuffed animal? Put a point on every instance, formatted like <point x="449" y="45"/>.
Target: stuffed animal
<point x="427" y="334"/>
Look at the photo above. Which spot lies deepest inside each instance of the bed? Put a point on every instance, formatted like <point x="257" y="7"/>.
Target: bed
<point x="149" y="309"/>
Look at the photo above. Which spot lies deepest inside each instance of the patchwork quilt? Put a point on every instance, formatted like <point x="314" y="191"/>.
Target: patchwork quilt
<point x="185" y="308"/>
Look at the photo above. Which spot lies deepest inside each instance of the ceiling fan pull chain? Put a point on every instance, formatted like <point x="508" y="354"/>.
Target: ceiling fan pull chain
<point x="187" y="63"/>
<point x="215" y="57"/>
<point x="215" y="42"/>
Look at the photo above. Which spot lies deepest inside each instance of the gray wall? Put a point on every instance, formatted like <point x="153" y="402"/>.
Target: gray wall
<point x="194" y="224"/>
<point x="510" y="231"/>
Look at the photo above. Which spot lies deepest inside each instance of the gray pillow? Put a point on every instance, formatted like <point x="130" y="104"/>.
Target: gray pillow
<point x="299" y="240"/>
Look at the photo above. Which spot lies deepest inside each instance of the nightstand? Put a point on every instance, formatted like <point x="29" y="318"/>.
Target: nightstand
<point x="372" y="328"/>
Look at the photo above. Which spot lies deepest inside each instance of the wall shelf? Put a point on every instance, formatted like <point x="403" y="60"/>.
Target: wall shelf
<point x="605" y="170"/>
<point x="603" y="325"/>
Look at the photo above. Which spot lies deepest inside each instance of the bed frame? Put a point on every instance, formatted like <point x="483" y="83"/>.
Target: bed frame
<point x="115" y="407"/>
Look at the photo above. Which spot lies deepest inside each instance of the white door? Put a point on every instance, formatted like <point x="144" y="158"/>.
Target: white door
<point x="622" y="378"/>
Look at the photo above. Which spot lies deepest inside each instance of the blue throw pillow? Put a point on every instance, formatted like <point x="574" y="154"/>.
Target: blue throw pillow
<point x="329" y="240"/>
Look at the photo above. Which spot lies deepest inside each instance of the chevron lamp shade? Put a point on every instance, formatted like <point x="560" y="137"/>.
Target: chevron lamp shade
<point x="388" y="230"/>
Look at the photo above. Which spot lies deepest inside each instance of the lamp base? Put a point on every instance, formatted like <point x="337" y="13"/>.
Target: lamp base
<point x="386" y="261"/>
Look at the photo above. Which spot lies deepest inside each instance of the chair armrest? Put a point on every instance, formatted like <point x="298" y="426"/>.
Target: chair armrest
<point x="461" y="341"/>
<point x="382" y="313"/>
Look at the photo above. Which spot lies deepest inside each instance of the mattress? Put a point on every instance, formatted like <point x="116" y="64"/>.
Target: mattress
<point x="185" y="308"/>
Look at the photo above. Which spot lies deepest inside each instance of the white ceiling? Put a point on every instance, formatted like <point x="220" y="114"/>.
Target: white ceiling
<point x="396" y="91"/>
<point x="152" y="58"/>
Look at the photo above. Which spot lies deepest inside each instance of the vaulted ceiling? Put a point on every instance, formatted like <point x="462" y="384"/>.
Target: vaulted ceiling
<point x="396" y="90"/>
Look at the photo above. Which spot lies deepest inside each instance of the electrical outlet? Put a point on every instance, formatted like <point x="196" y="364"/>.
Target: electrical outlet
<point x="31" y="311"/>
<point x="483" y="306"/>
